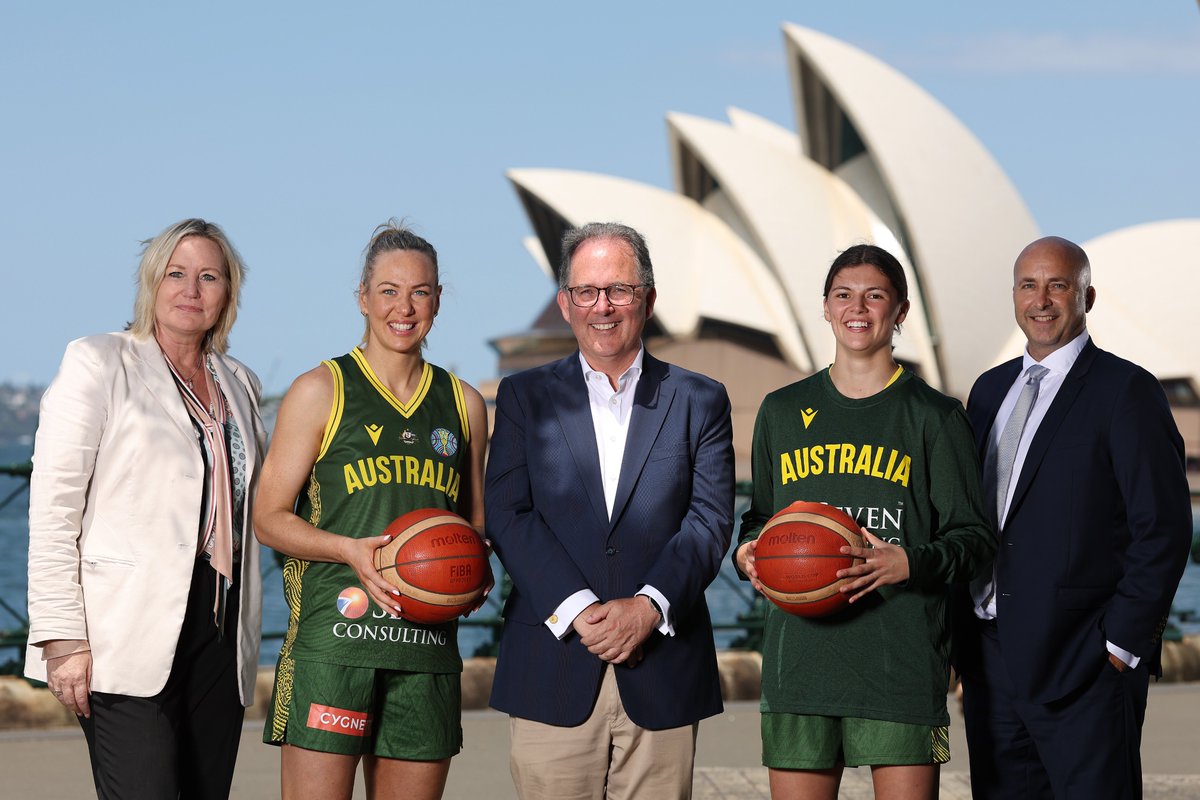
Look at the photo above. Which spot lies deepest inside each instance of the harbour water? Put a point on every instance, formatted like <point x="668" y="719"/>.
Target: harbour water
<point x="727" y="596"/>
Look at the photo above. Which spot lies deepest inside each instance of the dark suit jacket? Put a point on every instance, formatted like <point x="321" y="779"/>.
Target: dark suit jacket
<point x="1098" y="530"/>
<point x="670" y="528"/>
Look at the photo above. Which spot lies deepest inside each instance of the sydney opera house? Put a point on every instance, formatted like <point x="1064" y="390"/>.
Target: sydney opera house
<point x="758" y="212"/>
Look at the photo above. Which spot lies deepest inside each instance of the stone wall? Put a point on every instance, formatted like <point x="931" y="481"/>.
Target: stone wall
<point x="23" y="706"/>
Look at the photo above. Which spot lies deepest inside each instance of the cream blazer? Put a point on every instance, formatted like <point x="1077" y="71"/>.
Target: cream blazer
<point x="114" y="510"/>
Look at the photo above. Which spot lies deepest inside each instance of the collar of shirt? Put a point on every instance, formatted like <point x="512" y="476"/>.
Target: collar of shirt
<point x="611" y="410"/>
<point x="1060" y="361"/>
<point x="600" y="390"/>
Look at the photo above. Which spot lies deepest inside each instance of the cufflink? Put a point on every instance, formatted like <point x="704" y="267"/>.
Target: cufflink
<point x="554" y="619"/>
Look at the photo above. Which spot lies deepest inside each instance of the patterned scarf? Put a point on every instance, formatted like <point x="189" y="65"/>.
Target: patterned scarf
<point x="216" y="528"/>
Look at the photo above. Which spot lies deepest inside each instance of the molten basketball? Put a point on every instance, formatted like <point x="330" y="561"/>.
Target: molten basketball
<point x="437" y="561"/>
<point x="798" y="556"/>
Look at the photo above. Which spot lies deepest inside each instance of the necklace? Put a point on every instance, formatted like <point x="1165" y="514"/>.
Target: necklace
<point x="188" y="379"/>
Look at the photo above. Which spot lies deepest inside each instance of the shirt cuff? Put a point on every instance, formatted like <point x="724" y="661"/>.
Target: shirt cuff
<point x="665" y="627"/>
<point x="57" y="648"/>
<point x="1127" y="658"/>
<point x="560" y="622"/>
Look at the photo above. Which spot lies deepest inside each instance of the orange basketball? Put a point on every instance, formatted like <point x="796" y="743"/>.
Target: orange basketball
<point x="798" y="556"/>
<point x="437" y="561"/>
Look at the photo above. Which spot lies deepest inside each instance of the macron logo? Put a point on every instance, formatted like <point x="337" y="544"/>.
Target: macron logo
<point x="338" y="720"/>
<point x="808" y="415"/>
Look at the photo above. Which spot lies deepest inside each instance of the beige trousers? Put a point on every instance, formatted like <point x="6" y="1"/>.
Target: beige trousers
<point x="608" y="757"/>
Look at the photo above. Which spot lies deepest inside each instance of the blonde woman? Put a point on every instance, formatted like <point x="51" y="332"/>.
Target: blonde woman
<point x="144" y="589"/>
<point x="360" y="440"/>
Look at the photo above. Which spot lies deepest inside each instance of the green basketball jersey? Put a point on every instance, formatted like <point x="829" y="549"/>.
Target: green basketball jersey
<point x="902" y="463"/>
<point x="379" y="458"/>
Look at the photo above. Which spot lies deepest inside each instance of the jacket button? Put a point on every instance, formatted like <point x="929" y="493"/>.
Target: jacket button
<point x="610" y="551"/>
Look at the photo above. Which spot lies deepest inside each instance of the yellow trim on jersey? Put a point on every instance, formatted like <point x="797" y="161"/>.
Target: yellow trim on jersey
<point x="406" y="409"/>
<point x="460" y="402"/>
<point x="335" y="411"/>
<point x="895" y="376"/>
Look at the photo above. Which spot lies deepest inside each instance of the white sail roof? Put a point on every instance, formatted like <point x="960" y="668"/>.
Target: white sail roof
<point x="1147" y="279"/>
<point x="797" y="215"/>
<point x="702" y="269"/>
<point x="928" y="177"/>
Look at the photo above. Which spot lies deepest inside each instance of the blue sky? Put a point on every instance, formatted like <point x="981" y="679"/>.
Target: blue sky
<point x="300" y="126"/>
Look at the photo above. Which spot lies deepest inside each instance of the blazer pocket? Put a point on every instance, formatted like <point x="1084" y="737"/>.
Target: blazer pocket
<point x="673" y="450"/>
<point x="1082" y="596"/>
<point x="97" y="562"/>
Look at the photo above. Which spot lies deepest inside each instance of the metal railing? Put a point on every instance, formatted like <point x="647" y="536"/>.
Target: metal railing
<point x="749" y="622"/>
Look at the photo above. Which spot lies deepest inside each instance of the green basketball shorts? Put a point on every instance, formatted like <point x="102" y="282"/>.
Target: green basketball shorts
<point x="804" y="741"/>
<point x="414" y="716"/>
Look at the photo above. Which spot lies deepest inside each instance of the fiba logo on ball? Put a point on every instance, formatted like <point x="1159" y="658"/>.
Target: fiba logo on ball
<point x="352" y="602"/>
<point x="444" y="442"/>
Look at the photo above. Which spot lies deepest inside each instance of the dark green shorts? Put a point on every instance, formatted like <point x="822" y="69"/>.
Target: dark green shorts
<point x="414" y="716"/>
<point x="803" y="741"/>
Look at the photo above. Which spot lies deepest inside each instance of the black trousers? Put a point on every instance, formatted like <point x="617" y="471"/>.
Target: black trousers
<point x="1086" y="745"/>
<point x="183" y="741"/>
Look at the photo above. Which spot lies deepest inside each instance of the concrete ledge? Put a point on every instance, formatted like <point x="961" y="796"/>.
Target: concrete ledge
<point x="1181" y="660"/>
<point x="741" y="674"/>
<point x="23" y="706"/>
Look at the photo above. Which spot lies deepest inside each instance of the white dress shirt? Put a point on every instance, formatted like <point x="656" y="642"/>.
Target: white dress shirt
<point x="611" y="410"/>
<point x="1059" y="363"/>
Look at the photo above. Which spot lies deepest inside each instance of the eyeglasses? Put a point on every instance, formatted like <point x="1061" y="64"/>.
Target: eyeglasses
<point x="618" y="294"/>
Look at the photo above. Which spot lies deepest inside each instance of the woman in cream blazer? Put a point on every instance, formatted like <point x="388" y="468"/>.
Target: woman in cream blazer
<point x="140" y="540"/>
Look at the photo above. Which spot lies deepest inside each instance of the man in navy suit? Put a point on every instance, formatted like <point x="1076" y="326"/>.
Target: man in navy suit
<point x="610" y="503"/>
<point x="1086" y="468"/>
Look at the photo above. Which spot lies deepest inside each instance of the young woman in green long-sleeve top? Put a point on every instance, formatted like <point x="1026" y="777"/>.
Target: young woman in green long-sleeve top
<point x="867" y="685"/>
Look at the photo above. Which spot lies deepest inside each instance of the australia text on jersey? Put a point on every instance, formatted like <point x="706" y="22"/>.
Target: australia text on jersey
<point x="383" y="470"/>
<point x="844" y="458"/>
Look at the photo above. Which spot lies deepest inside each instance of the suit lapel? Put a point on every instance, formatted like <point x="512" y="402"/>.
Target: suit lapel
<point x="1063" y="401"/>
<point x="151" y="368"/>
<point x="983" y="433"/>
<point x="569" y="396"/>
<point x="651" y="402"/>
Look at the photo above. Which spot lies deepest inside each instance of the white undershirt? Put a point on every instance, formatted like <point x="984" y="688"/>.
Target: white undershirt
<point x="611" y="411"/>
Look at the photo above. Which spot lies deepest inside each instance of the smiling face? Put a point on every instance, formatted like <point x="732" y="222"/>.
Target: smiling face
<point x="1052" y="294"/>
<point x="863" y="309"/>
<point x="193" y="291"/>
<point x="401" y="301"/>
<point x="608" y="336"/>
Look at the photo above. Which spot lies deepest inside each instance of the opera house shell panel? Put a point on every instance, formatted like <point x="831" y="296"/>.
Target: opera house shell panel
<point x="742" y="244"/>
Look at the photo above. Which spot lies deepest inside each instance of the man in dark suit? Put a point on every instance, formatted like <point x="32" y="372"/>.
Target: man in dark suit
<point x="610" y="503"/>
<point x="1085" y="465"/>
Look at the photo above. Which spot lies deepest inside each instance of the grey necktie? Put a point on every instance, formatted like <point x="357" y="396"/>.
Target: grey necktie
<point x="1010" y="438"/>
<point x="998" y="468"/>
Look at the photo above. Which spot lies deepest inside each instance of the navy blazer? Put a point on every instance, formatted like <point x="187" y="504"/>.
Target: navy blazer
<point x="1099" y="527"/>
<point x="670" y="528"/>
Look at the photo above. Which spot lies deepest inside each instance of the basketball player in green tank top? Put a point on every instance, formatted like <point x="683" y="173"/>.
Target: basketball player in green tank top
<point x="360" y="440"/>
<point x="867" y="685"/>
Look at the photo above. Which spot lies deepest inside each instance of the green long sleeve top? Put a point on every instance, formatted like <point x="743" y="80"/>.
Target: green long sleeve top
<point x="902" y="463"/>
